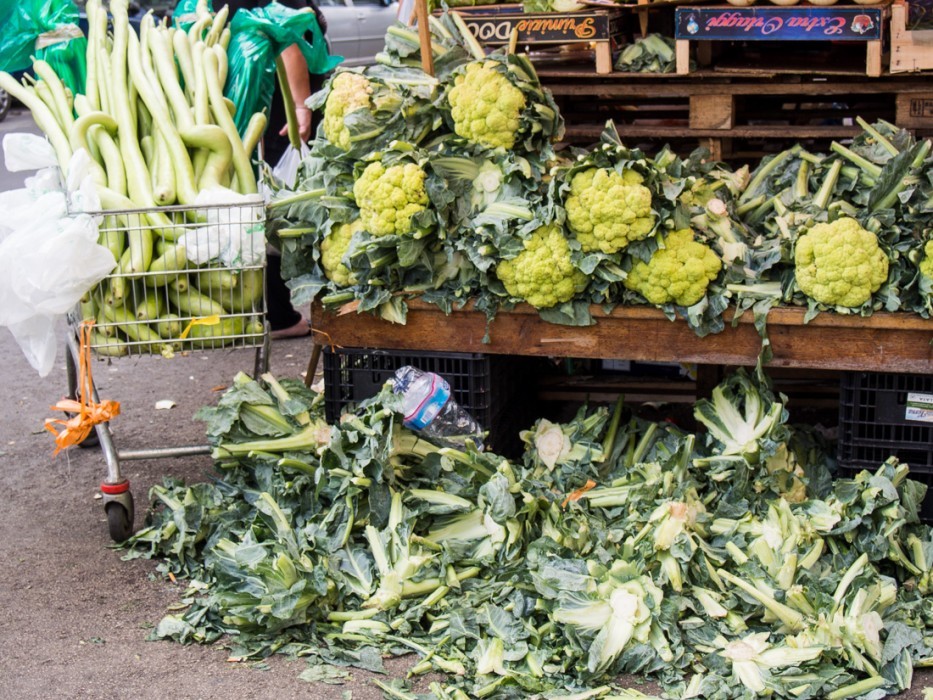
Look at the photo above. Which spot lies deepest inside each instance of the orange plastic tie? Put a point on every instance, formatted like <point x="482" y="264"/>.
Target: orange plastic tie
<point x="575" y="495"/>
<point x="86" y="412"/>
<point x="330" y="341"/>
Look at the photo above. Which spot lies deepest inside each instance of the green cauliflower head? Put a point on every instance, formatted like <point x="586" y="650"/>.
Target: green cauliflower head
<point x="485" y="106"/>
<point x="607" y="210"/>
<point x="840" y="263"/>
<point x="389" y="197"/>
<point x="679" y="273"/>
<point x="348" y="93"/>
<point x="334" y="247"/>
<point x="926" y="263"/>
<point x="542" y="274"/>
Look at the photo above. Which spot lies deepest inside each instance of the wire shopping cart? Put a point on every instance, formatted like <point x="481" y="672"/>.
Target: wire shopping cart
<point x="174" y="306"/>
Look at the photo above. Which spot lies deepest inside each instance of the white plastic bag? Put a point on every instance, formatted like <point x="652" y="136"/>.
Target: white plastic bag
<point x="48" y="259"/>
<point x="82" y="192"/>
<point x="286" y="170"/>
<point x="38" y="339"/>
<point x="27" y="152"/>
<point x="24" y="208"/>
<point x="41" y="199"/>
<point x="234" y="236"/>
<point x="44" y="271"/>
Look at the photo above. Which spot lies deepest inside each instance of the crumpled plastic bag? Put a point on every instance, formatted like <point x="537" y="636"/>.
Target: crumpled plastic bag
<point x="82" y="192"/>
<point x="44" y="271"/>
<point x="41" y="198"/>
<point x="258" y="36"/>
<point x="23" y="151"/>
<point x="286" y="170"/>
<point x="48" y="258"/>
<point x="234" y="236"/>
<point x="46" y="29"/>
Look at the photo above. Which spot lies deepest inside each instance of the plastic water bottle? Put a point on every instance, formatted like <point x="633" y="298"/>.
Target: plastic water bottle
<point x="429" y="409"/>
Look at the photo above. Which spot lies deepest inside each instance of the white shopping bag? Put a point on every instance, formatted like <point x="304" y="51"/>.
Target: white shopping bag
<point x="286" y="170"/>
<point x="44" y="271"/>
<point x="234" y="235"/>
<point x="27" y="152"/>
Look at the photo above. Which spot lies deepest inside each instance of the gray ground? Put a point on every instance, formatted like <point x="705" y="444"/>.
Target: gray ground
<point x="75" y="617"/>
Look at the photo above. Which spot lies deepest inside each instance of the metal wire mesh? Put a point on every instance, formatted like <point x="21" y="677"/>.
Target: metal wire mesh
<point x="157" y="301"/>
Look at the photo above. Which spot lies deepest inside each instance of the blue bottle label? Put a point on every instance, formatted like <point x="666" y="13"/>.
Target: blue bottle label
<point x="432" y="404"/>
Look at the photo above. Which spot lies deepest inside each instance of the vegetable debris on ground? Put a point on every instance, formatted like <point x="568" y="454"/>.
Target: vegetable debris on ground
<point x="723" y="564"/>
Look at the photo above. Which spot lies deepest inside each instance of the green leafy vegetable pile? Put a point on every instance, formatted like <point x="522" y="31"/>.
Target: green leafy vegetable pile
<point x="872" y="200"/>
<point x="653" y="53"/>
<point x="726" y="564"/>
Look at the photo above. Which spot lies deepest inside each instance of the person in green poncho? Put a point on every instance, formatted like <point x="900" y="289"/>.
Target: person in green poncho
<point x="300" y="80"/>
<point x="285" y="320"/>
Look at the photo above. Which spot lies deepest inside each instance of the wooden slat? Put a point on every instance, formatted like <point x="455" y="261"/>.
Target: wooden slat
<point x="681" y="57"/>
<point x="915" y="110"/>
<point x="742" y="132"/>
<point x="873" y="59"/>
<point x="882" y="342"/>
<point x="910" y="50"/>
<point x="603" y="52"/>
<point x="712" y="111"/>
<point x="623" y="87"/>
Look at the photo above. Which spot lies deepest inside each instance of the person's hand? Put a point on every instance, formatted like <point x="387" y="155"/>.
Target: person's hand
<point x="304" y="123"/>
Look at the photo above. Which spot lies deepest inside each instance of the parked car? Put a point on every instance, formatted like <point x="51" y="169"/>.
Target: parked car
<point x="356" y="29"/>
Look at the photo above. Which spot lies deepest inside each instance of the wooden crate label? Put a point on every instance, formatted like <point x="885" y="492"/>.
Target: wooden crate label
<point x="803" y="23"/>
<point x="544" y="28"/>
<point x="921" y="108"/>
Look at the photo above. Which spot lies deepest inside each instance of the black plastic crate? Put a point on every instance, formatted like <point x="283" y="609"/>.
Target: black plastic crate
<point x="494" y="389"/>
<point x="876" y="422"/>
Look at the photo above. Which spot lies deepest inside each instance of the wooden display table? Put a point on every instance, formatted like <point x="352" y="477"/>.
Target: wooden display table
<point x="883" y="342"/>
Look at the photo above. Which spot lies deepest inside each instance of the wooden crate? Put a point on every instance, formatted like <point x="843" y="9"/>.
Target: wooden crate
<point x="911" y="50"/>
<point x="828" y="29"/>
<point x="735" y="117"/>
<point x="596" y="28"/>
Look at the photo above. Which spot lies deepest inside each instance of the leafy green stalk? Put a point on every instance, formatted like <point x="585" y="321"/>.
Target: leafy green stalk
<point x="866" y="165"/>
<point x="854" y="690"/>
<point x="790" y="617"/>
<point x="877" y="136"/>
<point x="761" y="175"/>
<point x="823" y="195"/>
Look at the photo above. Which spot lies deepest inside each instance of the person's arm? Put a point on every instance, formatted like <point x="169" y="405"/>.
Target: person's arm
<point x="299" y="81"/>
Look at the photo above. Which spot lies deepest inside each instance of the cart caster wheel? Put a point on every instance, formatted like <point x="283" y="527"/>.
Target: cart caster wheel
<point x="120" y="519"/>
<point x="90" y="441"/>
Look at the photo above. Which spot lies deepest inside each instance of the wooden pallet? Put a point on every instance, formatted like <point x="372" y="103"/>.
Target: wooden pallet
<point x="735" y="117"/>
<point x="910" y="50"/>
<point x="784" y="30"/>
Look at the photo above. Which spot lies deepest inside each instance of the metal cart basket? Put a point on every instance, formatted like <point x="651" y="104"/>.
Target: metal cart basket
<point x="156" y="301"/>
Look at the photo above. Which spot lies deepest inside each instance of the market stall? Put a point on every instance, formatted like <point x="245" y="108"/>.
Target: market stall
<point x="442" y="227"/>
